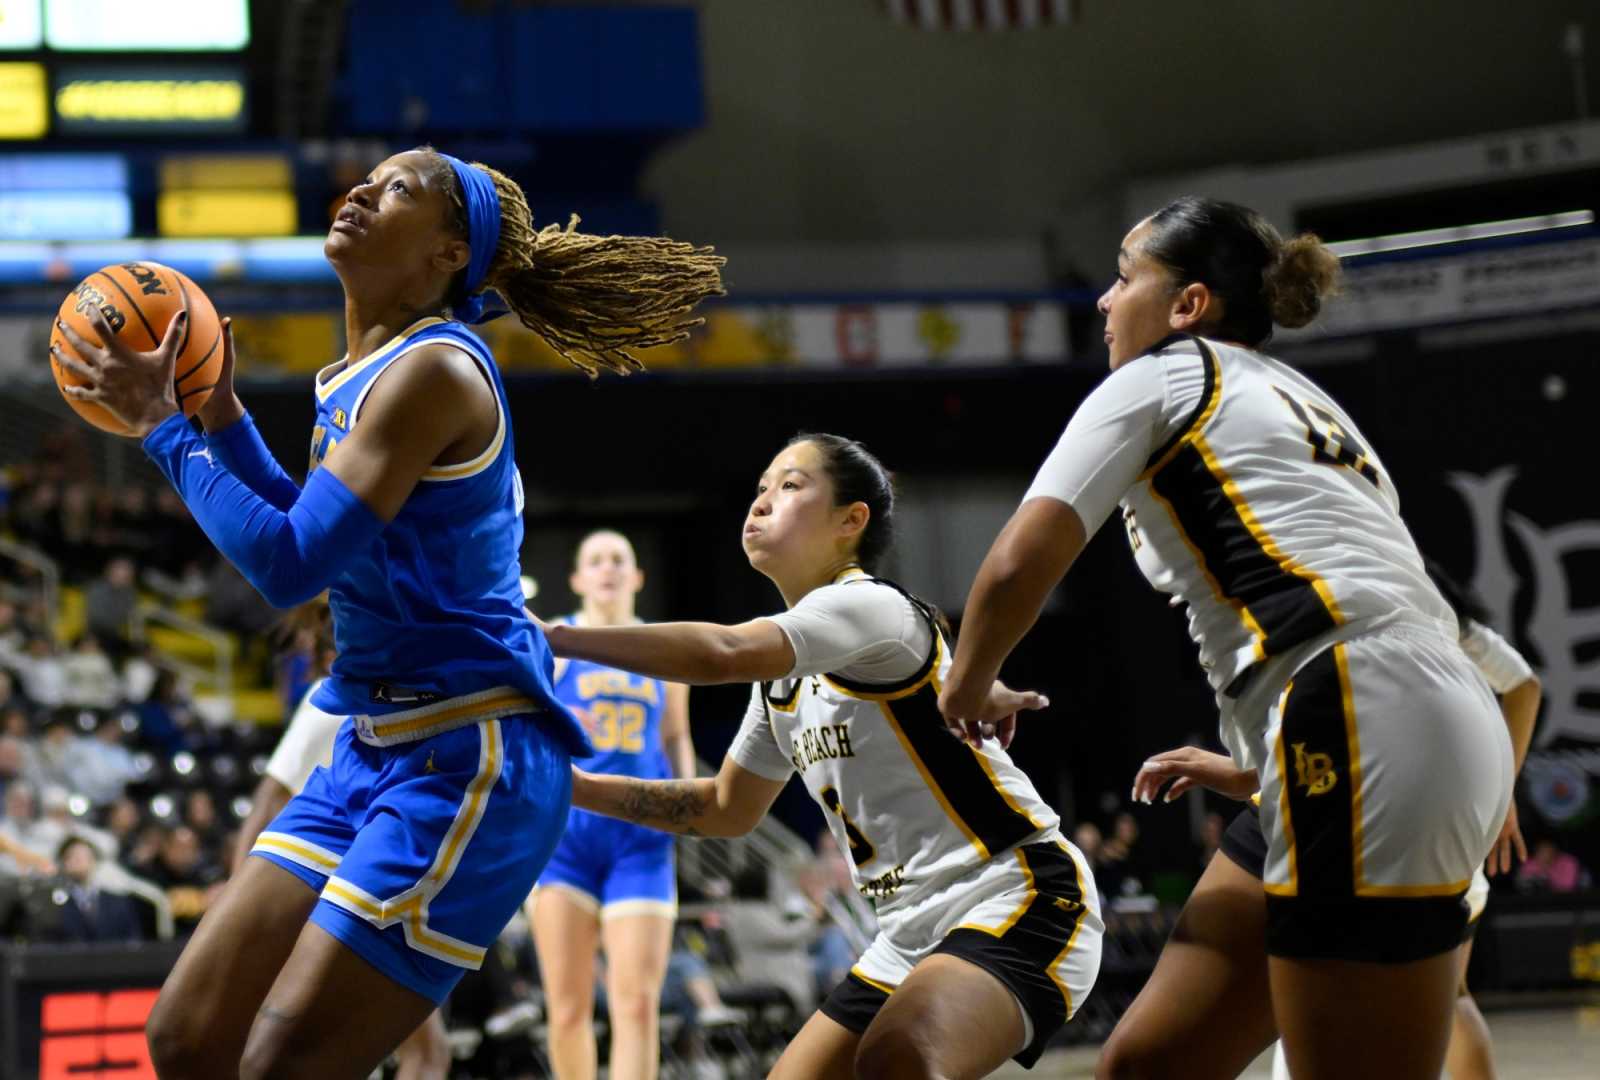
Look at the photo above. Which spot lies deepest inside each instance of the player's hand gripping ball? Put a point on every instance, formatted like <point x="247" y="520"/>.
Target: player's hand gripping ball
<point x="134" y="343"/>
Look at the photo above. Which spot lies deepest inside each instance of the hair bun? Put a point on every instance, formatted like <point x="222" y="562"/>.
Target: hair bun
<point x="1303" y="275"/>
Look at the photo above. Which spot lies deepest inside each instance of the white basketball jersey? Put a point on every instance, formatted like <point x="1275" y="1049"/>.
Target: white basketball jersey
<point x="1268" y="514"/>
<point x="913" y="806"/>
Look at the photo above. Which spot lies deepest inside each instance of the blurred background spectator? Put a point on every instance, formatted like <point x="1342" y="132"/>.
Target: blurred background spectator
<point x="87" y="912"/>
<point x="109" y="603"/>
<point x="1551" y="870"/>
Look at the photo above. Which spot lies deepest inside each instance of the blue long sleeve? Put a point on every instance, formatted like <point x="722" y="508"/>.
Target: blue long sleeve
<point x="240" y="449"/>
<point x="288" y="555"/>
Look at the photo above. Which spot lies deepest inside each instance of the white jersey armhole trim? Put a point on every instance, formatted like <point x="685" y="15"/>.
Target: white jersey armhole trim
<point x="462" y="469"/>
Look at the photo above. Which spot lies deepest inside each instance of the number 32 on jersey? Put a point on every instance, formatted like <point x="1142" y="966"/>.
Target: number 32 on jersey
<point x="616" y="726"/>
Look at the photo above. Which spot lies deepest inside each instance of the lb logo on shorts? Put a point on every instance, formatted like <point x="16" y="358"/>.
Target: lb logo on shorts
<point x="1313" y="771"/>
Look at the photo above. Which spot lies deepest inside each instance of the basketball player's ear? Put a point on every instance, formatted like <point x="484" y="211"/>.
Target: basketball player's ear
<point x="638" y="580"/>
<point x="452" y="256"/>
<point x="855" y="519"/>
<point x="1192" y="305"/>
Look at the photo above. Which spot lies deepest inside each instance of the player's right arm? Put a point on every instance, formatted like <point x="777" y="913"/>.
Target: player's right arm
<point x="436" y="406"/>
<point x="729" y="804"/>
<point x="1109" y="440"/>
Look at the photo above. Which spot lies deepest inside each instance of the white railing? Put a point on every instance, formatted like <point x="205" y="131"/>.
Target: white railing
<point x="43" y="565"/>
<point x="220" y="675"/>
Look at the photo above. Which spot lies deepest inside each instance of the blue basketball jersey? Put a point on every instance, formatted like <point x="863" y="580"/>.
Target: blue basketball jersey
<point x="624" y="717"/>
<point x="435" y="610"/>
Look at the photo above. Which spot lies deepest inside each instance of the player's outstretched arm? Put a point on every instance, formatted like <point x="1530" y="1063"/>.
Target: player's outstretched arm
<point x="729" y="804"/>
<point x="689" y="652"/>
<point x="1188" y="767"/>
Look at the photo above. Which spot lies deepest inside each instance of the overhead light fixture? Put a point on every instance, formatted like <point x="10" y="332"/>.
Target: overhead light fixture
<point x="1461" y="233"/>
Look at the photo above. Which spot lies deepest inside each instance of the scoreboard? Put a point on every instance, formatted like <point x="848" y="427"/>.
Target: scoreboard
<point x="118" y="26"/>
<point x="141" y="83"/>
<point x="88" y="68"/>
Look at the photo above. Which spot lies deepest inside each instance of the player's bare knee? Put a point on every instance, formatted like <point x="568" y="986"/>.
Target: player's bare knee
<point x="425" y="1054"/>
<point x="570" y="1014"/>
<point x="893" y="1054"/>
<point x="1123" y="1059"/>
<point x="634" y="1008"/>
<point x="267" y="1052"/>
<point x="178" y="1046"/>
<point x="271" y="1059"/>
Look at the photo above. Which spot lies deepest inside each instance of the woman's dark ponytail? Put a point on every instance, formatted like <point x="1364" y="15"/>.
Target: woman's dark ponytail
<point x="858" y="476"/>
<point x="1262" y="279"/>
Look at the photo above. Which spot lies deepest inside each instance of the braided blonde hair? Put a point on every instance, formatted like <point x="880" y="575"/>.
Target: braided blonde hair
<point x="594" y="299"/>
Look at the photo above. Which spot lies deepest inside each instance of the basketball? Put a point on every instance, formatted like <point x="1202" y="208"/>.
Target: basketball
<point x="139" y="300"/>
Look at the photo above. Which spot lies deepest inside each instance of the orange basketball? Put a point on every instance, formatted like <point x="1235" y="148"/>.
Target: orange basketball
<point x="139" y="301"/>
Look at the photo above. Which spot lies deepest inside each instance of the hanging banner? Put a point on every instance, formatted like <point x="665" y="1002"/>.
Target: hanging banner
<point x="1460" y="288"/>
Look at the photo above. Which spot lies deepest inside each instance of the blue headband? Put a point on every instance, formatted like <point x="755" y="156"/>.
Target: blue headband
<point x="483" y="236"/>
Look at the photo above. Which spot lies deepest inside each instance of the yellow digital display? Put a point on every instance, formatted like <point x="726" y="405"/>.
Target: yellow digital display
<point x="226" y="213"/>
<point x="24" y="101"/>
<point x="226" y="171"/>
<point x="133" y="103"/>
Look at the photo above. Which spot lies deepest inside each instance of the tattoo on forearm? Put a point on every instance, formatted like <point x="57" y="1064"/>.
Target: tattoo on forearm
<point x="674" y="803"/>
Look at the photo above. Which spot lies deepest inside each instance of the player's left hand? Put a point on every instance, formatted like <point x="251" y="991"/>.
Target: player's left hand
<point x="1510" y="837"/>
<point x="1189" y="767"/>
<point x="135" y="387"/>
<point x="995" y="717"/>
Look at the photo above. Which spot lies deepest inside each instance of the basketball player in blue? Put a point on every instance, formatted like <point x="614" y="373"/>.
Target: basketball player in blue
<point x="610" y="882"/>
<point x="394" y="870"/>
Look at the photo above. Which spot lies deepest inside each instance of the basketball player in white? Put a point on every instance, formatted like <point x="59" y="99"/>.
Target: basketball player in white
<point x="1251" y="497"/>
<point x="1210" y="972"/>
<point x="989" y="924"/>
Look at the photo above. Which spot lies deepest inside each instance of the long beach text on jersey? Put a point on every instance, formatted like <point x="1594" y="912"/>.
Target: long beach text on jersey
<point x="912" y="806"/>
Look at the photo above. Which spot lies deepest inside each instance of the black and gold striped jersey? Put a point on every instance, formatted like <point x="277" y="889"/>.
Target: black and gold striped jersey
<point x="911" y="805"/>
<point x="1268" y="513"/>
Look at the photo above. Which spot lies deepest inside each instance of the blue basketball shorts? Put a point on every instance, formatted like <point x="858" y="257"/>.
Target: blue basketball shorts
<point x="614" y="867"/>
<point x="422" y="852"/>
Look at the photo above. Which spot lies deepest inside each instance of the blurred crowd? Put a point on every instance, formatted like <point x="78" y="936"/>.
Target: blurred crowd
<point x="109" y="797"/>
<point x="118" y="802"/>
